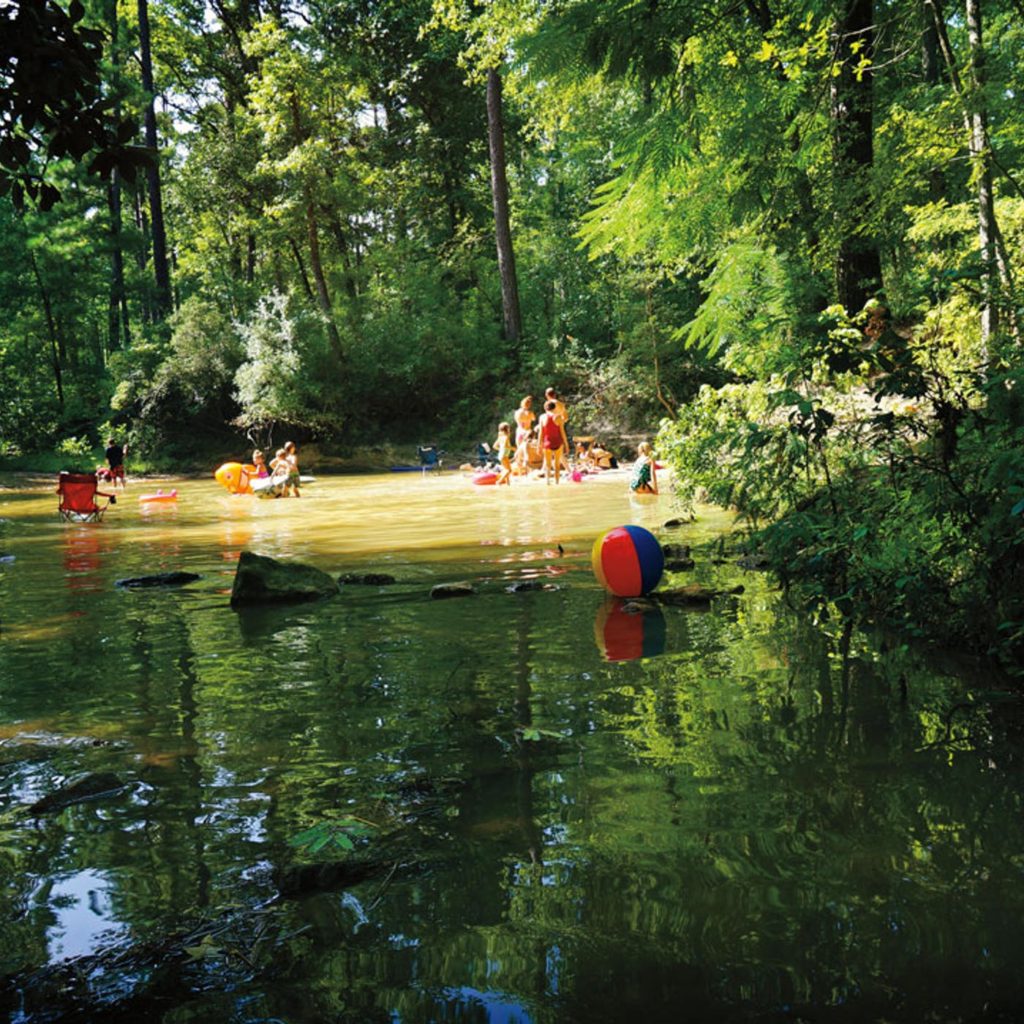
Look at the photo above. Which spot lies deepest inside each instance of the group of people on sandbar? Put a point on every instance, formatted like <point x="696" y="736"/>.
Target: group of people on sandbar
<point x="548" y="436"/>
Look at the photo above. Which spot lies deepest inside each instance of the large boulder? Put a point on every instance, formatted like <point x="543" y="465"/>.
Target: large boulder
<point x="263" y="580"/>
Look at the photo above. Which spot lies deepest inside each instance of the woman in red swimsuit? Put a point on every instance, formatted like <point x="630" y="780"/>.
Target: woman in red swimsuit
<point x="552" y="440"/>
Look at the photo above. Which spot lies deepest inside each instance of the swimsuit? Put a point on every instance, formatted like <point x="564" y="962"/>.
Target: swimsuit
<point x="523" y="425"/>
<point x="641" y="476"/>
<point x="550" y="433"/>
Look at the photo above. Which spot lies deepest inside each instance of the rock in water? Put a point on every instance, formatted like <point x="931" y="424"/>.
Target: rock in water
<point x="681" y="551"/>
<point x="445" y="590"/>
<point x="694" y="594"/>
<point x="679" y="564"/>
<point x="88" y="788"/>
<point x="754" y="561"/>
<point x="160" y="579"/>
<point x="366" y="579"/>
<point x="524" y="586"/>
<point x="299" y="880"/>
<point x="263" y="580"/>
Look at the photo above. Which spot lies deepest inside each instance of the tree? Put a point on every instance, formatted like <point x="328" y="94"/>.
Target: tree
<point x="158" y="232"/>
<point x="52" y="101"/>
<point x="858" y="269"/>
<point x="511" y="316"/>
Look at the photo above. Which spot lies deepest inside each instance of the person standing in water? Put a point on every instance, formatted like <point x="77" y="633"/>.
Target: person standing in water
<point x="503" y="446"/>
<point x="292" y="459"/>
<point x="115" y="454"/>
<point x="562" y="415"/>
<point x="552" y="441"/>
<point x="524" y="417"/>
<point x="645" y="477"/>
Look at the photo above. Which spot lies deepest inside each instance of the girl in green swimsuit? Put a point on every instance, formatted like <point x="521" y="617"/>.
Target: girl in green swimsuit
<point x="645" y="479"/>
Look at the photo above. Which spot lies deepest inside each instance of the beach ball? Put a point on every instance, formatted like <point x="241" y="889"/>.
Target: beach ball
<point x="628" y="561"/>
<point x="624" y="632"/>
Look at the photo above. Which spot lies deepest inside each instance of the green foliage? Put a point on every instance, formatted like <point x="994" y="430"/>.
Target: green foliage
<point x="75" y="448"/>
<point x="52" y="101"/>
<point x="278" y="380"/>
<point x="881" y="477"/>
<point x="342" y="833"/>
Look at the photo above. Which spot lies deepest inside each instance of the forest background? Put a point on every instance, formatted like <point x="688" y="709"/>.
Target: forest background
<point x="791" y="231"/>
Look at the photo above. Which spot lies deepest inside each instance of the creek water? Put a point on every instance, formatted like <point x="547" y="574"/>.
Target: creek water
<point x="565" y="810"/>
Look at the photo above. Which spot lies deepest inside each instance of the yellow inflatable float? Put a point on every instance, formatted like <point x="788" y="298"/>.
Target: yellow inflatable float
<point x="235" y="476"/>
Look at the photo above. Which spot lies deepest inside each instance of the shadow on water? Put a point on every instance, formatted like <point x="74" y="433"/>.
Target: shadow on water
<point x="571" y="808"/>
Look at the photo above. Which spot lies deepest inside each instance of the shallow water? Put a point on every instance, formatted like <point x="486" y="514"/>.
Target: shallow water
<point x="742" y="825"/>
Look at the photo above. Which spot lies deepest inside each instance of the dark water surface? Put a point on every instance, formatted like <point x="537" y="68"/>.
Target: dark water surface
<point x="747" y="826"/>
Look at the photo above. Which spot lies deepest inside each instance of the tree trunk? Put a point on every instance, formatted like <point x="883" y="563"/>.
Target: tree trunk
<point x="989" y="235"/>
<point x="299" y="135"/>
<point x="250" y="257"/>
<point x="117" y="313"/>
<point x="931" y="73"/>
<point x="858" y="271"/>
<point x="981" y="159"/>
<point x="51" y="329"/>
<point x="317" y="267"/>
<point x="303" y="276"/>
<point x="344" y="250"/>
<point x="118" y="306"/>
<point x="161" y="269"/>
<point x="511" y="316"/>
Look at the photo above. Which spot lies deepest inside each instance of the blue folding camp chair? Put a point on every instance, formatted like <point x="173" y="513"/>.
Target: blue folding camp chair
<point x="486" y="456"/>
<point x="431" y="457"/>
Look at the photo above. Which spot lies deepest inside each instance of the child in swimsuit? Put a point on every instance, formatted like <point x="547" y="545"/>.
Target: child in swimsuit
<point x="552" y="441"/>
<point x="645" y="479"/>
<point x="259" y="461"/>
<point x="292" y="459"/>
<point x="503" y="446"/>
<point x="525" y="418"/>
<point x="279" y="471"/>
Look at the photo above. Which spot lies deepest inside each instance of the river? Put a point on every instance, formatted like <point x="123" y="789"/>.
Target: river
<point x="564" y="811"/>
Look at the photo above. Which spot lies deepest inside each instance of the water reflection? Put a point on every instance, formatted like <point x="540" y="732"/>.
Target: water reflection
<point x="762" y="822"/>
<point x="84" y="548"/>
<point x="629" y="628"/>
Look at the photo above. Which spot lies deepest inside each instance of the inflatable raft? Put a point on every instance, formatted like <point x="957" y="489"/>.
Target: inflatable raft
<point x="159" y="497"/>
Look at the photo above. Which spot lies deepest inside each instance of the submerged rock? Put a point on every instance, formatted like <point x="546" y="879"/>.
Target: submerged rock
<point x="693" y="594"/>
<point x="298" y="880"/>
<point x="754" y="561"/>
<point x="524" y="586"/>
<point x="366" y="579"/>
<point x="91" y="787"/>
<point x="444" y="590"/>
<point x="160" y="579"/>
<point x="679" y="564"/>
<point x="675" y="550"/>
<point x="263" y="580"/>
<point x="671" y="524"/>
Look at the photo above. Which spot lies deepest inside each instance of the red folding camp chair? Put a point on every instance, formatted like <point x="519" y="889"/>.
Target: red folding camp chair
<point x="77" y="494"/>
